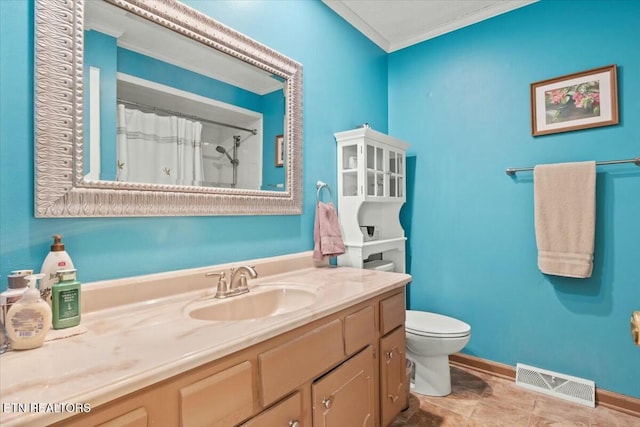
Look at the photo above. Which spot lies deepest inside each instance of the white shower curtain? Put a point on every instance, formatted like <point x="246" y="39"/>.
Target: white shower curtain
<point x="159" y="150"/>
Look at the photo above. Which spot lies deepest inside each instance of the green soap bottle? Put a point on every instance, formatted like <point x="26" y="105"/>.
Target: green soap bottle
<point x="65" y="299"/>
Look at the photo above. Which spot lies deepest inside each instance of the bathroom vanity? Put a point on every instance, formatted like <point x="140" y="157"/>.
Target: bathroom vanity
<point x="329" y="351"/>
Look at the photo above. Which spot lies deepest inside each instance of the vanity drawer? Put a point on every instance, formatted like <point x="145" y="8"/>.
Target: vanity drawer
<point x="392" y="313"/>
<point x="285" y="367"/>
<point x="359" y="330"/>
<point x="222" y="399"/>
<point x="135" y="418"/>
<point x="285" y="413"/>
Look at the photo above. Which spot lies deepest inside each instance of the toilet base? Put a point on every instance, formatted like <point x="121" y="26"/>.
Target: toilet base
<point x="432" y="375"/>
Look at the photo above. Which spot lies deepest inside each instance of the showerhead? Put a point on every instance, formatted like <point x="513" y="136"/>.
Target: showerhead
<point x="221" y="149"/>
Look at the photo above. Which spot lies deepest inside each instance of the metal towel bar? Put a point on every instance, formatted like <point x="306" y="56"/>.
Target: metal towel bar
<point x="636" y="161"/>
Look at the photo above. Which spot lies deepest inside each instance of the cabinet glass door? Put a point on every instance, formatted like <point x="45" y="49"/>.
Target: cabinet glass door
<point x="400" y="175"/>
<point x="396" y="178"/>
<point x="349" y="170"/>
<point x="375" y="171"/>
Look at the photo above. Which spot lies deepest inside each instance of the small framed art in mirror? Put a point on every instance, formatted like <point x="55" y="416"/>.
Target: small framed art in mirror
<point x="279" y="149"/>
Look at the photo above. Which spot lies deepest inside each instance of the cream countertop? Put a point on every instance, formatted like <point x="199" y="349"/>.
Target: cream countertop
<point x="131" y="346"/>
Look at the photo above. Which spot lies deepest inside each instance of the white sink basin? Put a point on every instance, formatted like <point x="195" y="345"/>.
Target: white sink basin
<point x="261" y="301"/>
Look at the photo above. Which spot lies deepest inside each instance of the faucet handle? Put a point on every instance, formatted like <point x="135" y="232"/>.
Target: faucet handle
<point x="219" y="274"/>
<point x="242" y="281"/>
<point x="222" y="283"/>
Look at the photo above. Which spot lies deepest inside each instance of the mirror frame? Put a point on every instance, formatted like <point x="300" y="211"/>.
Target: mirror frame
<point x="60" y="187"/>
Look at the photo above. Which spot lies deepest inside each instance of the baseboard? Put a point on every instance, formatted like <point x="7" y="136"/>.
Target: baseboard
<point x="496" y="369"/>
<point x="616" y="401"/>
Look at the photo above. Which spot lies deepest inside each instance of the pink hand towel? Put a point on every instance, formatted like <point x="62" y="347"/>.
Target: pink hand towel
<point x="326" y="233"/>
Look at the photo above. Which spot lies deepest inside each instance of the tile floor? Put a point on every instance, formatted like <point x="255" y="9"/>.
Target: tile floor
<point x="479" y="399"/>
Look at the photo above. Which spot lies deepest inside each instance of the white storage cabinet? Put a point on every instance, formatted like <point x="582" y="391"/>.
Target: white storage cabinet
<point x="371" y="191"/>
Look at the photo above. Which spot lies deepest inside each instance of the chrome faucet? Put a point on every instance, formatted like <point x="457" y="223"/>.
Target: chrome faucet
<point x="237" y="285"/>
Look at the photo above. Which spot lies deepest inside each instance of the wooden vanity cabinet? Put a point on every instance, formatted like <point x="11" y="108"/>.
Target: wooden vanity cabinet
<point x="345" y="369"/>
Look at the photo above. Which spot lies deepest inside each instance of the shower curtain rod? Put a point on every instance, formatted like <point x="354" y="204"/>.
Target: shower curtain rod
<point x="636" y="161"/>
<point x="176" y="113"/>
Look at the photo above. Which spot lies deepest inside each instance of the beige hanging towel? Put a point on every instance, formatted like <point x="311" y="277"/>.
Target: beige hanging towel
<point x="565" y="217"/>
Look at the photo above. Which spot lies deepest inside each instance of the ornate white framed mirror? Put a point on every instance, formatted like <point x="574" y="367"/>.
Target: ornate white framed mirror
<point x="86" y="124"/>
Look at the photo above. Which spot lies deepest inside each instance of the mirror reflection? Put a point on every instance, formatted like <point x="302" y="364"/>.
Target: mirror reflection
<point x="164" y="109"/>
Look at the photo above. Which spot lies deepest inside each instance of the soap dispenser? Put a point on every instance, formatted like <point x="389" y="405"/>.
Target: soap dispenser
<point x="29" y="319"/>
<point x="65" y="298"/>
<point x="57" y="259"/>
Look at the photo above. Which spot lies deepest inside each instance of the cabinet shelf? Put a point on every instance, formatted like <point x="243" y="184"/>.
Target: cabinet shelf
<point x="374" y="243"/>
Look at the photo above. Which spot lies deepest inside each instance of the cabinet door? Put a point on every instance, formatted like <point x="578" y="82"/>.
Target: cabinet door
<point x="348" y="169"/>
<point x="396" y="173"/>
<point x="393" y="394"/>
<point x="346" y="396"/>
<point x="375" y="171"/>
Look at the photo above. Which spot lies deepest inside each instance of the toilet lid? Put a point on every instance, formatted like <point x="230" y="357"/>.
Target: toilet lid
<point x="435" y="325"/>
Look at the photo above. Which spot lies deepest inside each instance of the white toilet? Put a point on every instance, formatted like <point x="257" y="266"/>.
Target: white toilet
<point x="431" y="338"/>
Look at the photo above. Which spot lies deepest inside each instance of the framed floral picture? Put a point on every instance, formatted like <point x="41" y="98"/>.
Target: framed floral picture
<point x="279" y="150"/>
<point x="576" y="101"/>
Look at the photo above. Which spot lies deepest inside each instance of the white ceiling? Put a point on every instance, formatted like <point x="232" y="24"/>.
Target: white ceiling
<point x="396" y="24"/>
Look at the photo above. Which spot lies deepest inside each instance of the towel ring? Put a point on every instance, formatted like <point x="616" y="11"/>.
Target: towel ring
<point x="320" y="185"/>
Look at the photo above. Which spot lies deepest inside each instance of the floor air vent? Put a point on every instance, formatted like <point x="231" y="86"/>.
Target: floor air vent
<point x="566" y="387"/>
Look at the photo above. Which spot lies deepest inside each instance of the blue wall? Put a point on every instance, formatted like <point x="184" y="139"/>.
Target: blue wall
<point x="462" y="100"/>
<point x="345" y="83"/>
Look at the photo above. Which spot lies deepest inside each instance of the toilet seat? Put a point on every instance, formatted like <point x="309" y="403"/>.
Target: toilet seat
<point x="434" y="325"/>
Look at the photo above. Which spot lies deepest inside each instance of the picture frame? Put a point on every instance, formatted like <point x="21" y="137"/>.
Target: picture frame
<point x="279" y="150"/>
<point x="582" y="100"/>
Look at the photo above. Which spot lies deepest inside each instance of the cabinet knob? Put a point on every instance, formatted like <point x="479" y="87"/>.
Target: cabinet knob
<point x="327" y="402"/>
<point x="389" y="355"/>
<point x="294" y="423"/>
